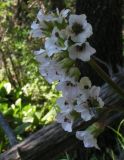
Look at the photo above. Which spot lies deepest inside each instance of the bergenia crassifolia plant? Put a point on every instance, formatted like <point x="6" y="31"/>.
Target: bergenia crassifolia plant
<point x="65" y="38"/>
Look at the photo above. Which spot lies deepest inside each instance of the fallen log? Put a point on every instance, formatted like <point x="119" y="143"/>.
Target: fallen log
<point x="51" y="141"/>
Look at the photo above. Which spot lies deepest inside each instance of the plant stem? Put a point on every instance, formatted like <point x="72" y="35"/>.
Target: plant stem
<point x="106" y="78"/>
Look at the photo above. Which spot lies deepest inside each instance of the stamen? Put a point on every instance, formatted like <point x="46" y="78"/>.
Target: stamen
<point x="77" y="28"/>
<point x="66" y="103"/>
<point x="57" y="34"/>
<point x="81" y="48"/>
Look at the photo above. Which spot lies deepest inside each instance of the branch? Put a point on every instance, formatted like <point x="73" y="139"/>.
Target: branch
<point x="8" y="131"/>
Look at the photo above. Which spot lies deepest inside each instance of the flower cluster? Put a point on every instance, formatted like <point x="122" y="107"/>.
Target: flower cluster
<point x="65" y="38"/>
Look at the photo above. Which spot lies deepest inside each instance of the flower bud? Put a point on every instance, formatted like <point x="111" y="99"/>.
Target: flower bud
<point x="66" y="63"/>
<point x="75" y="72"/>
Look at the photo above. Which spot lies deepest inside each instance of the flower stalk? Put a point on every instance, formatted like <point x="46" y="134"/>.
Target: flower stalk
<point x="106" y="78"/>
<point x="66" y="40"/>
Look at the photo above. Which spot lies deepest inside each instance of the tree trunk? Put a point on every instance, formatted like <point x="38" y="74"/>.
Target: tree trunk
<point x="105" y="17"/>
<point x="51" y="141"/>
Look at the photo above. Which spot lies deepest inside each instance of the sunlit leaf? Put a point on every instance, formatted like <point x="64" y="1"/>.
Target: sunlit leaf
<point x="8" y="87"/>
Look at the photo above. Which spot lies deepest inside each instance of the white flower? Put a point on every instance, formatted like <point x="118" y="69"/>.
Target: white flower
<point x="43" y="22"/>
<point x="65" y="105"/>
<point x="45" y="17"/>
<point x="85" y="83"/>
<point x="52" y="17"/>
<point x="88" y="139"/>
<point x="100" y="101"/>
<point x="51" y="47"/>
<point x="69" y="90"/>
<point x="35" y="25"/>
<point x="42" y="58"/>
<point x="44" y="69"/>
<point x="51" y="71"/>
<point x="83" y="108"/>
<point x="41" y="51"/>
<point x="94" y="91"/>
<point x="66" y="121"/>
<point x="80" y="30"/>
<point x="81" y="51"/>
<point x="65" y="33"/>
<point x="36" y="31"/>
<point x="94" y="97"/>
<point x="52" y="44"/>
<point x="86" y="114"/>
<point x="64" y="13"/>
<point x="61" y="41"/>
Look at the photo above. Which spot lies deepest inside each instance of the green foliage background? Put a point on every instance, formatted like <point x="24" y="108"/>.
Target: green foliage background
<point x="27" y="101"/>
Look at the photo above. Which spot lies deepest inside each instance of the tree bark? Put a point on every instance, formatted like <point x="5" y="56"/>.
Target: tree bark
<point x="52" y="141"/>
<point x="105" y="17"/>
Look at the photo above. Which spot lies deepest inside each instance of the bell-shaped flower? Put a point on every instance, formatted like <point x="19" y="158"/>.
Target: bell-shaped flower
<point x="100" y="101"/>
<point x="81" y="51"/>
<point x="94" y="91"/>
<point x="90" y="134"/>
<point x="88" y="138"/>
<point x="94" y="96"/>
<point x="66" y="121"/>
<point x="85" y="83"/>
<point x="78" y="28"/>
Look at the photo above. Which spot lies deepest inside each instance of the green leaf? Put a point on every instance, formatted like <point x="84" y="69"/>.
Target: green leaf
<point x="28" y="119"/>
<point x="18" y="102"/>
<point x="50" y="116"/>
